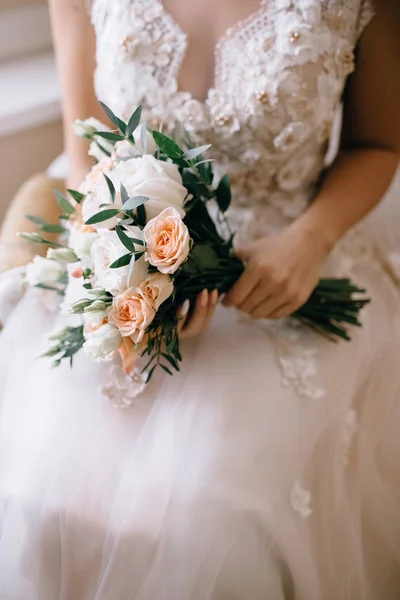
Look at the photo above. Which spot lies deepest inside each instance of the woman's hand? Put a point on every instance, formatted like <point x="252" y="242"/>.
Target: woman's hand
<point x="281" y="273"/>
<point x="200" y="319"/>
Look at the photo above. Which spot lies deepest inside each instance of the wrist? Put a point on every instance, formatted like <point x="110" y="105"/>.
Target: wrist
<point x="317" y="232"/>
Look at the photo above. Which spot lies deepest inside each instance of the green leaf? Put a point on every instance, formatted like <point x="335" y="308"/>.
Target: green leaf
<point x="121" y="262"/>
<point x="166" y="145"/>
<point x="104" y="215"/>
<point x="141" y="214"/>
<point x="126" y="241"/>
<point x="104" y="150"/>
<point x="77" y="196"/>
<point x="133" y="122"/>
<point x="63" y="203"/>
<point x="223" y="193"/>
<point x="171" y="361"/>
<point x="113" y="118"/>
<point x="138" y="255"/>
<point x="37" y="220"/>
<point x="124" y="194"/>
<point x="150" y="375"/>
<point x="166" y="369"/>
<point x="109" y="135"/>
<point x="194" y="152"/>
<point x="52" y="228"/>
<point x="87" y="286"/>
<point x="135" y="201"/>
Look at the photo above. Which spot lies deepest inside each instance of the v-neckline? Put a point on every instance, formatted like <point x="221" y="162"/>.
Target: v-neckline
<point x="230" y="33"/>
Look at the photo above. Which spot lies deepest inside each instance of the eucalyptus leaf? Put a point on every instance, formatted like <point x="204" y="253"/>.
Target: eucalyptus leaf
<point x="124" y="194"/>
<point x="125" y="240"/>
<point x="35" y="219"/>
<point x="194" y="152"/>
<point x="223" y="194"/>
<point x="113" y="118"/>
<point x="166" y="145"/>
<point x="110" y="136"/>
<point x="110" y="186"/>
<point x="141" y="214"/>
<point x="121" y="262"/>
<point x="133" y="122"/>
<point x="134" y="202"/>
<point x="77" y="196"/>
<point x="63" y="203"/>
<point x="104" y="215"/>
<point x="143" y="137"/>
<point x="52" y="228"/>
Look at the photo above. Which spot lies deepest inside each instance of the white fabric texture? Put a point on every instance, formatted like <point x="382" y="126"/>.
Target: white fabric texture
<point x="270" y="466"/>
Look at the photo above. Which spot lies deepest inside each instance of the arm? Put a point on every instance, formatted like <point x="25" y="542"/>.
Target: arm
<point x="74" y="42"/>
<point x="283" y="270"/>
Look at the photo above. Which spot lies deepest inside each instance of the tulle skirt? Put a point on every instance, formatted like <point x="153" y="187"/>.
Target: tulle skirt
<point x="269" y="468"/>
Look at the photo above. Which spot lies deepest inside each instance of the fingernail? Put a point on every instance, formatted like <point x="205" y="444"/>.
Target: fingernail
<point x="204" y="298"/>
<point x="214" y="298"/>
<point x="184" y="309"/>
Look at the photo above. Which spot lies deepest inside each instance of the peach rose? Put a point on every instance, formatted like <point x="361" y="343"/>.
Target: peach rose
<point x="167" y="241"/>
<point x="158" y="288"/>
<point x="132" y="312"/>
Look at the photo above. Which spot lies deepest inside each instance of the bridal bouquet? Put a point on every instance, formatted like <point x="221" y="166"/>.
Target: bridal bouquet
<point x="138" y="240"/>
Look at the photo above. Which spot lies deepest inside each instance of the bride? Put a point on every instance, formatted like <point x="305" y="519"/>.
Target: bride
<point x="270" y="467"/>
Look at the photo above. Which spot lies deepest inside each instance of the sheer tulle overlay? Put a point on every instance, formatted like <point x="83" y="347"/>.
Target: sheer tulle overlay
<point x="270" y="466"/>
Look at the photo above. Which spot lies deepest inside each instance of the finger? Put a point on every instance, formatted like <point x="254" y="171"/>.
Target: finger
<point x="283" y="311"/>
<point x="259" y="295"/>
<point x="242" y="288"/>
<point x="196" y="321"/>
<point x="244" y="253"/>
<point x="265" y="309"/>
<point x="183" y="311"/>
<point x="213" y="301"/>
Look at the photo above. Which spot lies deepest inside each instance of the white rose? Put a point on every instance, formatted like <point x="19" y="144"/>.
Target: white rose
<point x="106" y="250"/>
<point x="43" y="270"/>
<point x="160" y="181"/>
<point x="81" y="241"/>
<point x="63" y="255"/>
<point x="88" y="127"/>
<point x="102" y="343"/>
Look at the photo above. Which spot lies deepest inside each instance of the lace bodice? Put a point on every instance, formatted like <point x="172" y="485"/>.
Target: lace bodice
<point x="279" y="79"/>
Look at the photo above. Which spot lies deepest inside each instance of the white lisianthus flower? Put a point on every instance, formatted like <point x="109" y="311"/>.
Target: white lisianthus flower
<point x="105" y="251"/>
<point x="63" y="255"/>
<point x="43" y="270"/>
<point x="160" y="181"/>
<point x="93" y="320"/>
<point x="123" y="149"/>
<point x="88" y="127"/>
<point x="81" y="241"/>
<point x="102" y="343"/>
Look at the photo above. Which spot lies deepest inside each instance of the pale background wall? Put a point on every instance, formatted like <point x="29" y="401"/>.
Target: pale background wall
<point x="30" y="117"/>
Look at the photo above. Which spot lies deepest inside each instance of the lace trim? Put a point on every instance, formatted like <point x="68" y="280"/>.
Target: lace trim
<point x="367" y="13"/>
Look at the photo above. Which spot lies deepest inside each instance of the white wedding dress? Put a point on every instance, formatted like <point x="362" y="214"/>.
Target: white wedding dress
<point x="269" y="468"/>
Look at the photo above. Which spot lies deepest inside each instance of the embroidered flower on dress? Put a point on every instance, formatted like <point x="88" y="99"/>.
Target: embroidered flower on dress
<point x="298" y="39"/>
<point x="344" y="58"/>
<point x="300" y="500"/>
<point x="290" y="137"/>
<point x="122" y="389"/>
